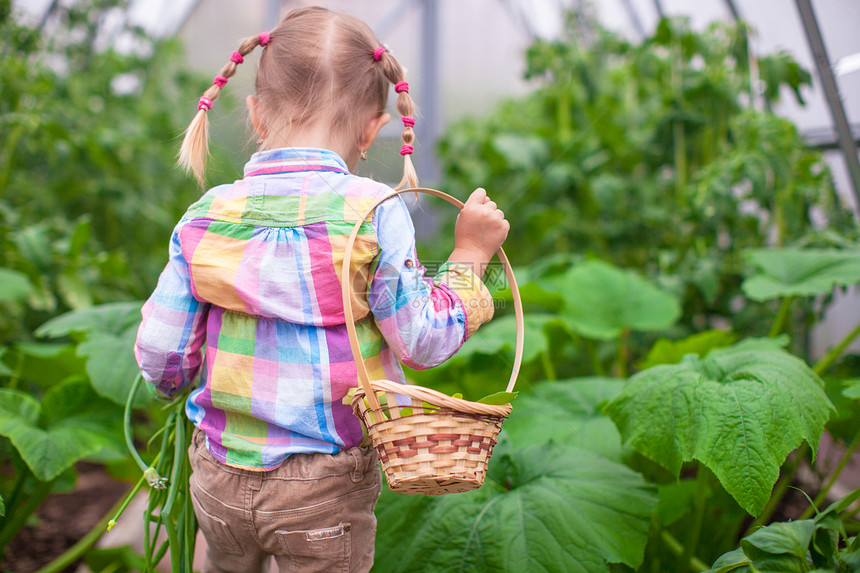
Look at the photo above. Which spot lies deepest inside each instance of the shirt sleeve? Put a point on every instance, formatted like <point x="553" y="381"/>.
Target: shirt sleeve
<point x="424" y="320"/>
<point x="169" y="347"/>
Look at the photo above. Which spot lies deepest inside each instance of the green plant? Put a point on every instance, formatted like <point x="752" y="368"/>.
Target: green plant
<point x="653" y="157"/>
<point x="660" y="190"/>
<point x="85" y="189"/>
<point x="87" y="201"/>
<point x="819" y="544"/>
<point x="716" y="423"/>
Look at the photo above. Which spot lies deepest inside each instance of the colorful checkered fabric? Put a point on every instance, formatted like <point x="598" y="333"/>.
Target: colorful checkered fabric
<point x="250" y="301"/>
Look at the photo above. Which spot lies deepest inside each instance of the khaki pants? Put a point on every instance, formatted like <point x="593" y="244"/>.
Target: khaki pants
<point x="313" y="513"/>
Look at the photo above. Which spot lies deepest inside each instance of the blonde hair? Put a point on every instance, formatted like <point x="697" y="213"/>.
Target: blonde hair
<point x="317" y="64"/>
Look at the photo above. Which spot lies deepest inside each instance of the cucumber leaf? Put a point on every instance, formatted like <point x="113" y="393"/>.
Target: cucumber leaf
<point x="14" y="286"/>
<point x="498" y="398"/>
<point x="667" y="351"/>
<point x="547" y="508"/>
<point x="739" y="412"/>
<point x="112" y="318"/>
<point x="567" y="412"/>
<point x="800" y="272"/>
<point x="70" y="424"/>
<point x="602" y="301"/>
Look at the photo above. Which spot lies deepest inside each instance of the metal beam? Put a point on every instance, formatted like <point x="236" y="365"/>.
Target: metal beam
<point x="730" y="4"/>
<point x="634" y="17"/>
<point x="430" y="92"/>
<point x="831" y="93"/>
<point x="659" y="6"/>
<point x="823" y="138"/>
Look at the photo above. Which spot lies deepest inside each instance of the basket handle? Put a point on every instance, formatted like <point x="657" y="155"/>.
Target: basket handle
<point x="346" y="289"/>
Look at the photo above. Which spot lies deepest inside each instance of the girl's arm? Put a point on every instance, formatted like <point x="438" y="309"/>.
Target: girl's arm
<point x="424" y="320"/>
<point x="173" y="331"/>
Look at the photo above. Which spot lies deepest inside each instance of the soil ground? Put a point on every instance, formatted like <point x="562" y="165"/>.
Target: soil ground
<point x="63" y="520"/>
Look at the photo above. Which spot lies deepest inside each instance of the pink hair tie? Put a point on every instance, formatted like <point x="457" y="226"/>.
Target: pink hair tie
<point x="377" y="53"/>
<point x="408" y="121"/>
<point x="265" y="38"/>
<point x="406" y="150"/>
<point x="401" y="87"/>
<point x="219" y="81"/>
<point x="237" y="57"/>
<point x="205" y="103"/>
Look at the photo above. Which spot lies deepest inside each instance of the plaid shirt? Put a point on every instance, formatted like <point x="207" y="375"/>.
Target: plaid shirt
<point x="250" y="301"/>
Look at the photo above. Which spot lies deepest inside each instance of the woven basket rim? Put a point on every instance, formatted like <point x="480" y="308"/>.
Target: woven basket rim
<point x="433" y="397"/>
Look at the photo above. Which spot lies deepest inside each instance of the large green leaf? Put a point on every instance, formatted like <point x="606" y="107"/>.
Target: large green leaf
<point x="602" y="301"/>
<point x="109" y="318"/>
<point x="739" y="412"/>
<point x="5" y="370"/>
<point x="544" y="508"/>
<point x="46" y="363"/>
<point x="808" y="545"/>
<point x="501" y="334"/>
<point x="667" y="351"/>
<point x="567" y="412"/>
<point x="109" y="332"/>
<point x="531" y="293"/>
<point x="800" y="272"/>
<point x="852" y="389"/>
<point x="70" y="424"/>
<point x="779" y="539"/>
<point x="111" y="365"/>
<point x="14" y="286"/>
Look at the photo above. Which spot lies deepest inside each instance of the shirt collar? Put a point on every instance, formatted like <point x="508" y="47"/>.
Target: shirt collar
<point x="291" y="159"/>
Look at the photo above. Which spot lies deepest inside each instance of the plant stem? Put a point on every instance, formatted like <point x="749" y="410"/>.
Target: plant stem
<point x="162" y="551"/>
<point x="836" y="351"/>
<point x="680" y="161"/>
<point x="80" y="548"/>
<point x="548" y="368"/>
<point x="178" y="465"/>
<point x="678" y="135"/>
<point x="19" y="369"/>
<point x="822" y="495"/>
<point x="781" y="317"/>
<point x="621" y="355"/>
<point x="190" y="541"/>
<point x="126" y="500"/>
<point x="173" y="539"/>
<point x="563" y="112"/>
<point x="677" y="549"/>
<point x="17" y="521"/>
<point x="700" y="503"/>
<point x="779" y="490"/>
<point x="591" y="347"/>
<point x="12" y="499"/>
<point x="8" y="159"/>
<point x="126" y="424"/>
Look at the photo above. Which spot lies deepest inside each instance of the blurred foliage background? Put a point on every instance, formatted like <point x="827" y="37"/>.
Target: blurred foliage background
<point x="88" y="187"/>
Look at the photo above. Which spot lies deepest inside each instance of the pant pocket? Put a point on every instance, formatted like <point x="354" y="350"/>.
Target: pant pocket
<point x="216" y="530"/>
<point x="317" y="550"/>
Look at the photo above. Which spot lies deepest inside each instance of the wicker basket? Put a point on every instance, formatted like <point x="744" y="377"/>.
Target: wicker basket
<point x="428" y="442"/>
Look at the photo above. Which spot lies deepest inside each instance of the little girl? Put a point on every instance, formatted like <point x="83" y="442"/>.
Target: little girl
<point x="250" y="301"/>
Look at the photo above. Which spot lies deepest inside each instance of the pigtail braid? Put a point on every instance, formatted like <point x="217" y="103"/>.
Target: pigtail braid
<point x="195" y="146"/>
<point x="406" y="108"/>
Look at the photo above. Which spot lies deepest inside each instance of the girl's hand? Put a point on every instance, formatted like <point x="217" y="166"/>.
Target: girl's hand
<point x="480" y="231"/>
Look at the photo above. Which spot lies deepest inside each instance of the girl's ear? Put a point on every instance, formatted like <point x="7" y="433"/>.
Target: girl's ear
<point x="260" y="127"/>
<point x="371" y="130"/>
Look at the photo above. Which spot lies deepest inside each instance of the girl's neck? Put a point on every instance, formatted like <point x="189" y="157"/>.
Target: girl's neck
<point x="315" y="136"/>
